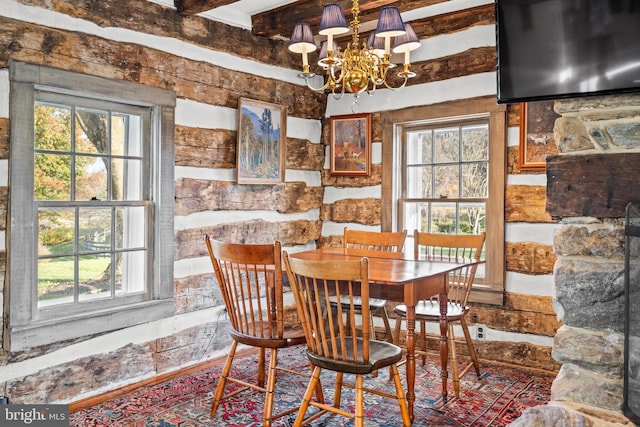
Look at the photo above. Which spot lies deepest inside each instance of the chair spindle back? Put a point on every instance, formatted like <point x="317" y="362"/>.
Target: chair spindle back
<point x="328" y="332"/>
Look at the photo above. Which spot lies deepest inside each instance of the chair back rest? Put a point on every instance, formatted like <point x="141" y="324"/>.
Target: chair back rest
<point x="391" y="241"/>
<point x="250" y="280"/>
<point x="328" y="333"/>
<point x="448" y="247"/>
<point x="452" y="247"/>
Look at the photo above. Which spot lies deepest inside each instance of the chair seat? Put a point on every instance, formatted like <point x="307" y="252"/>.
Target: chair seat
<point x="430" y="310"/>
<point x="382" y="354"/>
<point x="357" y="302"/>
<point x="293" y="334"/>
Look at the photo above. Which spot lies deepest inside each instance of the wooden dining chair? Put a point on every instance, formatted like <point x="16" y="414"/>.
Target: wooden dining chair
<point x="333" y="344"/>
<point x="447" y="247"/>
<point x="391" y="241"/>
<point x="250" y="280"/>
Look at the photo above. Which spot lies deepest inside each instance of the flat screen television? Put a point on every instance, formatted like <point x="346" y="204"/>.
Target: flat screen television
<point x="548" y="49"/>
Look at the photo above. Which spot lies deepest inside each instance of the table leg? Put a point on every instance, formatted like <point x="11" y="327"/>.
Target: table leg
<point x="411" y="358"/>
<point x="444" y="349"/>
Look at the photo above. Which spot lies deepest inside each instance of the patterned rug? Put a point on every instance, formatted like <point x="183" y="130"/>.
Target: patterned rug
<point x="496" y="399"/>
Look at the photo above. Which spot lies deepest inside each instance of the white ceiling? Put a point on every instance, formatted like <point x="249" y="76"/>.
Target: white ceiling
<point x="238" y="13"/>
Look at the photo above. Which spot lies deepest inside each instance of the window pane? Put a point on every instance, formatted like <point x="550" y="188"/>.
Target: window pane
<point x="475" y="143"/>
<point x="447" y="145"/>
<point x="52" y="177"/>
<point x="52" y="127"/>
<point x="127" y="179"/>
<point x="472" y="218"/>
<point x="126" y="135"/>
<point x="131" y="272"/>
<point x="92" y="134"/>
<point x="55" y="280"/>
<point x="475" y="180"/>
<point x="447" y="179"/>
<point x="131" y="226"/>
<point x="419" y="181"/>
<point x="419" y="147"/>
<point x="416" y="216"/>
<point x="91" y="178"/>
<point x="443" y="218"/>
<point x="95" y="230"/>
<point x="56" y="232"/>
<point x="94" y="274"/>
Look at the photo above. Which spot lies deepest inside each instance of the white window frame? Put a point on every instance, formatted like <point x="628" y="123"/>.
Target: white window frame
<point x="27" y="326"/>
<point x="491" y="288"/>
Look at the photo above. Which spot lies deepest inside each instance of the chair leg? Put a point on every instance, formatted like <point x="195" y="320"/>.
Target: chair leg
<point x="404" y="411"/>
<point x="382" y="312"/>
<point x="337" y="394"/>
<point x="261" y="367"/>
<point x="396" y="332"/>
<point x="271" y="385"/>
<point x="454" y="361"/>
<point x="423" y="339"/>
<point x="472" y="350"/>
<point x="223" y="379"/>
<point x="315" y="379"/>
<point x="359" y="415"/>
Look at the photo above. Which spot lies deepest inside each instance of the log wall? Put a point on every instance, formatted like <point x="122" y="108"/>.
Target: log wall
<point x="188" y="55"/>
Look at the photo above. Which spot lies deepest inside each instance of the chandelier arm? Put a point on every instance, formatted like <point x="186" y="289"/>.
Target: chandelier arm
<point x="404" y="82"/>
<point x="319" y="89"/>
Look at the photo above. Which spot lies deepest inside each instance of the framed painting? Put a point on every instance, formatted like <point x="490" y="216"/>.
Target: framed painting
<point x="261" y="142"/>
<point x="536" y="134"/>
<point x="350" y="145"/>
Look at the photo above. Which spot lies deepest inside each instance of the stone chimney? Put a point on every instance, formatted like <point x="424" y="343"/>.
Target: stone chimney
<point x="589" y="271"/>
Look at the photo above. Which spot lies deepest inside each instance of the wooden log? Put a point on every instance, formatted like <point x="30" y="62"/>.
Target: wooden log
<point x="4" y="138"/>
<point x="280" y="21"/>
<point x="302" y="154"/>
<point x="595" y="185"/>
<point x="375" y="178"/>
<point x="196" y="195"/>
<point x="190" y="243"/>
<point x="212" y="148"/>
<point x="526" y="203"/>
<point x="530" y="258"/>
<point x="362" y="211"/>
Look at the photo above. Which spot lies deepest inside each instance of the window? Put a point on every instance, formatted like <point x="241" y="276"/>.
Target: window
<point x="91" y="205"/>
<point x="446" y="177"/>
<point x="449" y="178"/>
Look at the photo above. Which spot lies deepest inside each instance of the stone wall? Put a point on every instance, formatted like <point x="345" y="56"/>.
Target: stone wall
<point x="589" y="277"/>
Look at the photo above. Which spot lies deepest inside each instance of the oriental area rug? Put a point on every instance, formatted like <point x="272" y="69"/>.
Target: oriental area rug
<point x="496" y="399"/>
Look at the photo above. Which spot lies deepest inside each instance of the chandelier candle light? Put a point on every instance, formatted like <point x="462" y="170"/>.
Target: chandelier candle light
<point x="357" y="68"/>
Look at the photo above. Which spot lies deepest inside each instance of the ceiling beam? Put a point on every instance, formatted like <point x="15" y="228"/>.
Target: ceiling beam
<point x="280" y="22"/>
<point x="192" y="7"/>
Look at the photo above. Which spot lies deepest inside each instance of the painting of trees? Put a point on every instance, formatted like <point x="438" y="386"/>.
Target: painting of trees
<point x="261" y="142"/>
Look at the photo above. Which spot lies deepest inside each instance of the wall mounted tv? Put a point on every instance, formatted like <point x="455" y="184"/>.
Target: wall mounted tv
<point x="548" y="49"/>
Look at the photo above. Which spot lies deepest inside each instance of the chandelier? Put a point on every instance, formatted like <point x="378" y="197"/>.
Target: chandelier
<point x="357" y="68"/>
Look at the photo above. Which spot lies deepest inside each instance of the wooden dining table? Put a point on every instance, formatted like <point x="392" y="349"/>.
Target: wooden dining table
<point x="397" y="276"/>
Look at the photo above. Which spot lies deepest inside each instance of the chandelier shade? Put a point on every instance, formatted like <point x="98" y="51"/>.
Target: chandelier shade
<point x="333" y="20"/>
<point x="359" y="67"/>
<point x="389" y="23"/>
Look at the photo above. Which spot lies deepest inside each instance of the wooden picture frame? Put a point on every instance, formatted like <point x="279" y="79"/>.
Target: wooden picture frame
<point x="536" y="134"/>
<point x="261" y="142"/>
<point x="350" y="145"/>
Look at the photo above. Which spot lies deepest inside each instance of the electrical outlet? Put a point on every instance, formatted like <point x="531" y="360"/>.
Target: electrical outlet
<point x="481" y="332"/>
